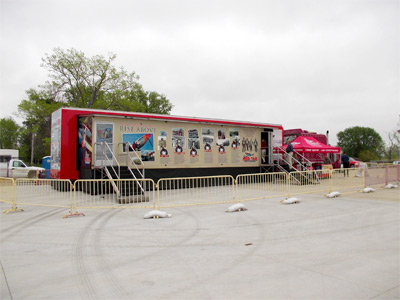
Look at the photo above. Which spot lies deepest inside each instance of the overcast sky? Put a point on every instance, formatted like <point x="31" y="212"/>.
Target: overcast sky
<point x="313" y="64"/>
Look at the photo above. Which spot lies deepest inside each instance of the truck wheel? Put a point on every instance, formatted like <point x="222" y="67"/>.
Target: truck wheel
<point x="32" y="174"/>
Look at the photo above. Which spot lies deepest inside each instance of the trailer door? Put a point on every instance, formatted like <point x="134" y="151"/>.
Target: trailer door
<point x="266" y="148"/>
<point x="104" y="146"/>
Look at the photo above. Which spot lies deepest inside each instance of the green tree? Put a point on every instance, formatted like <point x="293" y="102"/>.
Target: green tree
<point x="357" y="140"/>
<point x="36" y="111"/>
<point x="391" y="151"/>
<point x="155" y="103"/>
<point x="9" y="133"/>
<point x="367" y="155"/>
<point x="80" y="81"/>
<point x="94" y="82"/>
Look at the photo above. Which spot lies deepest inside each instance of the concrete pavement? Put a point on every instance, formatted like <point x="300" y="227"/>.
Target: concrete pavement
<point x="340" y="248"/>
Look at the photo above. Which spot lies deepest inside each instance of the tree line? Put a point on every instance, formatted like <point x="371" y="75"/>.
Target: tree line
<point x="95" y="82"/>
<point x="75" y="80"/>
<point x="366" y="144"/>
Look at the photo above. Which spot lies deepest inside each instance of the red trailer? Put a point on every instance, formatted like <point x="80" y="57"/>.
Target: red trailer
<point x="83" y="141"/>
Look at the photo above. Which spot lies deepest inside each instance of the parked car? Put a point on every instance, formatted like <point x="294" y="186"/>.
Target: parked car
<point x="397" y="162"/>
<point x="354" y="163"/>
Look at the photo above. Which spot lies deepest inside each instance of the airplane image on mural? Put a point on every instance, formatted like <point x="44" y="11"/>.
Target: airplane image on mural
<point x="140" y="142"/>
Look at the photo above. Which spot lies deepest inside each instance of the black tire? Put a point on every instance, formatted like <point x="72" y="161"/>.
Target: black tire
<point x="32" y="174"/>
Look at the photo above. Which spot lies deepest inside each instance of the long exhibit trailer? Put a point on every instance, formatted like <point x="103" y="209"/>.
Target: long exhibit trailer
<point x="90" y="144"/>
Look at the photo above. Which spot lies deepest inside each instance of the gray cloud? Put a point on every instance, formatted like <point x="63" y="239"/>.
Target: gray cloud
<point x="319" y="65"/>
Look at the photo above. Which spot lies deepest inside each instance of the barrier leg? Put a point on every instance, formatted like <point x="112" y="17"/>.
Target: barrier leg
<point x="73" y="212"/>
<point x="14" y="201"/>
<point x="288" y="186"/>
<point x="235" y="190"/>
<point x="157" y="187"/>
<point x="386" y="175"/>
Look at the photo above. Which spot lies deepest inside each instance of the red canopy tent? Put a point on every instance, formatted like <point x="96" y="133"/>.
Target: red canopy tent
<point x="308" y="144"/>
<point x="315" y="151"/>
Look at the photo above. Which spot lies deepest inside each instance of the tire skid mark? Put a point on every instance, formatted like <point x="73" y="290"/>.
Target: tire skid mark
<point x="94" y="284"/>
<point x="87" y="286"/>
<point x="195" y="232"/>
<point x="18" y="227"/>
<point x="112" y="282"/>
<point x="183" y="240"/>
<point x="161" y="248"/>
<point x="241" y="259"/>
<point x="5" y="280"/>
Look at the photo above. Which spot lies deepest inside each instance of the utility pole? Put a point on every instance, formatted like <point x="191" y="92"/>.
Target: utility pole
<point x="398" y="131"/>
<point x="32" y="145"/>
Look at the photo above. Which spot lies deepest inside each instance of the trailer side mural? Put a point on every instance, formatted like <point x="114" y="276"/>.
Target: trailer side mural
<point x="169" y="146"/>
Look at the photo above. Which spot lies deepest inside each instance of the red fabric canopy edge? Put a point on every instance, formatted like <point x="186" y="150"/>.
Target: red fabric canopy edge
<point x="308" y="144"/>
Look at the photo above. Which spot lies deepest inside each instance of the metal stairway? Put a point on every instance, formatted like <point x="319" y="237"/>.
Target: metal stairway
<point x="298" y="165"/>
<point x="119" y="175"/>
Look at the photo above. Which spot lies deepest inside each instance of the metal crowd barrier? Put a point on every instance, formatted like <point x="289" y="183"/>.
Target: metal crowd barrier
<point x="7" y="193"/>
<point x="43" y="192"/>
<point x="132" y="193"/>
<point x="393" y="173"/>
<point x="261" y="186"/>
<point x="189" y="191"/>
<point x="308" y="182"/>
<point x="382" y="175"/>
<point x="348" y="179"/>
<point x="186" y="191"/>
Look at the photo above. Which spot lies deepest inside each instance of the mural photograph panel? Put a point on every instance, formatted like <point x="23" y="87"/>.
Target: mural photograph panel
<point x="141" y="142"/>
